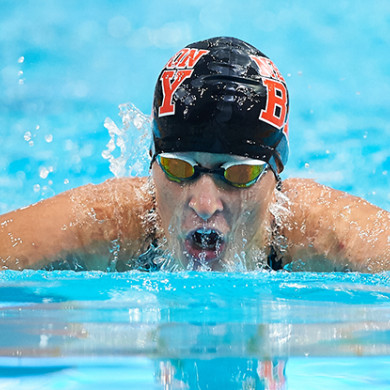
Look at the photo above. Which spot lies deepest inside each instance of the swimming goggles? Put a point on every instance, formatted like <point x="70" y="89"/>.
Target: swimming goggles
<point x="240" y="174"/>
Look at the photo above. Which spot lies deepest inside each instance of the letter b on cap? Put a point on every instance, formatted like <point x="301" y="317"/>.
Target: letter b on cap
<point x="275" y="111"/>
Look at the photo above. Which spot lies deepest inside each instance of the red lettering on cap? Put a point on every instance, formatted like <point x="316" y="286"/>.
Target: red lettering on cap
<point x="192" y="57"/>
<point x="175" y="60"/>
<point x="276" y="108"/>
<point x="267" y="68"/>
<point x="170" y="82"/>
<point x="185" y="58"/>
<point x="178" y="68"/>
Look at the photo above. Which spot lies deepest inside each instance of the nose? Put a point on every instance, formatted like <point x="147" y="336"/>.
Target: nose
<point x="205" y="198"/>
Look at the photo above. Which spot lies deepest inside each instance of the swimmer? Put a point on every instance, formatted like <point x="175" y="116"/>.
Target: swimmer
<point x="214" y="199"/>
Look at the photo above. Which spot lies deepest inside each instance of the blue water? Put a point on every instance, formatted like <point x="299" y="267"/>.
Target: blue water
<point x="80" y="63"/>
<point x="64" y="69"/>
<point x="91" y="329"/>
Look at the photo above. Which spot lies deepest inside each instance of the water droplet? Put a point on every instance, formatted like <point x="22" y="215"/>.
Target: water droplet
<point x="43" y="172"/>
<point x="27" y="136"/>
<point x="106" y="154"/>
<point x="21" y="60"/>
<point x="307" y="165"/>
<point x="66" y="181"/>
<point x="36" y="187"/>
<point x="138" y="122"/>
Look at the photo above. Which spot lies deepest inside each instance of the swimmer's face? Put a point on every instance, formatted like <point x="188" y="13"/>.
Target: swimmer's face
<point x="210" y="224"/>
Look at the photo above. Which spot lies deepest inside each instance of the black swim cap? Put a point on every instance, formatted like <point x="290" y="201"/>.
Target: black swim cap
<point x="222" y="95"/>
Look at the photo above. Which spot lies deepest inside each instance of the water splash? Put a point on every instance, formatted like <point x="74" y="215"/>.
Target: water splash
<point x="128" y="147"/>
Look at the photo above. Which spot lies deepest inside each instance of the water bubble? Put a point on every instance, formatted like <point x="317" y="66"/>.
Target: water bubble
<point x="47" y="191"/>
<point x="27" y="136"/>
<point x="43" y="172"/>
<point x="43" y="342"/>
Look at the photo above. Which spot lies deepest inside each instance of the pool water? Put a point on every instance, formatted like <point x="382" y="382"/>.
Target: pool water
<point x="64" y="70"/>
<point x="183" y="330"/>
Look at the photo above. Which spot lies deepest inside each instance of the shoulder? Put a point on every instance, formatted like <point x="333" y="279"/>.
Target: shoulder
<point x="297" y="188"/>
<point x="120" y="210"/>
<point x="323" y="223"/>
<point x="117" y="192"/>
<point x="119" y="205"/>
<point x="307" y="197"/>
<point x="123" y="184"/>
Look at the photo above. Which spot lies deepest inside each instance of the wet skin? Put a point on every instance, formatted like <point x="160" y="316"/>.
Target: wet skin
<point x="316" y="228"/>
<point x="209" y="207"/>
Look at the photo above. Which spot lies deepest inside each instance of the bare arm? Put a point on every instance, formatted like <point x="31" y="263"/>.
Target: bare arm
<point x="85" y="221"/>
<point x="323" y="223"/>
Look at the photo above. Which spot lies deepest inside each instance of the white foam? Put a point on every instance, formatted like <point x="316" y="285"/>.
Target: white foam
<point x="127" y="149"/>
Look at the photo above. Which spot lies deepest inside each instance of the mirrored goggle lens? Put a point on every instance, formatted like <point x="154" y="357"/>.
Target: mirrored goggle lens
<point x="176" y="168"/>
<point x="243" y="175"/>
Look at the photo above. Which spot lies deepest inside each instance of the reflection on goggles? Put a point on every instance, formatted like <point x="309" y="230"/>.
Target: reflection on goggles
<point x="240" y="174"/>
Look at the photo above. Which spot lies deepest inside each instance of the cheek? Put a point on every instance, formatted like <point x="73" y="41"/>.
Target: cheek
<point x="256" y="200"/>
<point x="168" y="196"/>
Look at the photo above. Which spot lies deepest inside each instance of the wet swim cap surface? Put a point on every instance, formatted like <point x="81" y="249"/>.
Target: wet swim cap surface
<point x="222" y="95"/>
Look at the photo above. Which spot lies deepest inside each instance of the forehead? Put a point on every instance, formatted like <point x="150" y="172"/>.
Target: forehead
<point x="204" y="158"/>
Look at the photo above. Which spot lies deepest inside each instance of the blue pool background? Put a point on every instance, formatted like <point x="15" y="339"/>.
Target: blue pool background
<point x="81" y="62"/>
<point x="65" y="66"/>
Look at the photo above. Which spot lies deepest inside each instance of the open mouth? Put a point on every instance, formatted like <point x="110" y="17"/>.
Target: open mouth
<point x="205" y="244"/>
